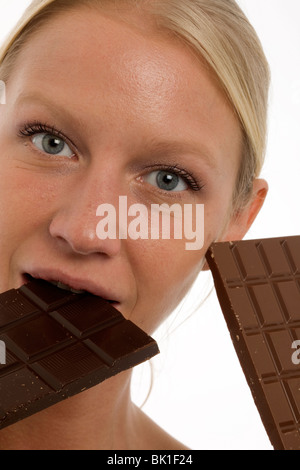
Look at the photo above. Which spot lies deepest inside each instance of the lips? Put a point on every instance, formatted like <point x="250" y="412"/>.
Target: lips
<point x="74" y="285"/>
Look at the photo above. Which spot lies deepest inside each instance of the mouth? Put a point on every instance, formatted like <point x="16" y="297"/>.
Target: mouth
<point x="68" y="287"/>
<point x="63" y="286"/>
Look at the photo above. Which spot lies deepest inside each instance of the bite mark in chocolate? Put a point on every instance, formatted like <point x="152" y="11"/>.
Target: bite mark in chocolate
<point x="59" y="344"/>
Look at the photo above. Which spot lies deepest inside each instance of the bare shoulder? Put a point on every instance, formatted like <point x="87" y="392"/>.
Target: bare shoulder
<point x="150" y="436"/>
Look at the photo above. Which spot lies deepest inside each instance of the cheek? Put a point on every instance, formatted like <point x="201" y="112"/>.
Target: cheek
<point x="26" y="198"/>
<point x="164" y="272"/>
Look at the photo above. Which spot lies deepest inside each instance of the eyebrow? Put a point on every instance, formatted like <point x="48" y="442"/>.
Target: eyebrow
<point x="178" y="146"/>
<point x="168" y="147"/>
<point x="28" y="98"/>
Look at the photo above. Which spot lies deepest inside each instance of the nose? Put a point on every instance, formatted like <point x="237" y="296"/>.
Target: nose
<point x="74" y="224"/>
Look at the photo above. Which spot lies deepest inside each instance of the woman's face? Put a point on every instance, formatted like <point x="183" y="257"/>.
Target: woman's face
<point x="98" y="109"/>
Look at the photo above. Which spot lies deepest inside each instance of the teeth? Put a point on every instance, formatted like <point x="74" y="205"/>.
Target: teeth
<point x="63" y="286"/>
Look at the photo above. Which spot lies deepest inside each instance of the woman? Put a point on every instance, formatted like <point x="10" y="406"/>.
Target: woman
<point x="161" y="102"/>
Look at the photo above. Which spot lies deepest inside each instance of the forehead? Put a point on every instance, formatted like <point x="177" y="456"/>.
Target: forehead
<point x="94" y="64"/>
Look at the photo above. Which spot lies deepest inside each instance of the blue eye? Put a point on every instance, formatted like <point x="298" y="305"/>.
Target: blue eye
<point x="52" y="145"/>
<point x="166" y="180"/>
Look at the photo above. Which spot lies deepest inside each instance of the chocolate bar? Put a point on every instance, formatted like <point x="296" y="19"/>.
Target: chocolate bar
<point x="258" y="287"/>
<point x="60" y="343"/>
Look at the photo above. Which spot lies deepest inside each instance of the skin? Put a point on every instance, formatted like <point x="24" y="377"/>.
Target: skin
<point x="117" y="91"/>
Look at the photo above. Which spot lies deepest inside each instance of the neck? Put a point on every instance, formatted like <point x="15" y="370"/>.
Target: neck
<point x="99" y="418"/>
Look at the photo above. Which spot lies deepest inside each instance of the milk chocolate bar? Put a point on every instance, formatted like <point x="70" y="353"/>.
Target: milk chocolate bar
<point x="258" y="286"/>
<point x="58" y="344"/>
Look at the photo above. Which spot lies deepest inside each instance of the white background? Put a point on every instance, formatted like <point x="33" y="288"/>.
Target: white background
<point x="200" y="395"/>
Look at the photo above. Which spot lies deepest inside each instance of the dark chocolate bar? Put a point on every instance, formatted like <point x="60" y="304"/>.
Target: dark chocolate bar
<point x="258" y="286"/>
<point x="58" y="344"/>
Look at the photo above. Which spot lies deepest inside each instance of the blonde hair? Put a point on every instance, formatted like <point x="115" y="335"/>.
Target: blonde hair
<point x="219" y="32"/>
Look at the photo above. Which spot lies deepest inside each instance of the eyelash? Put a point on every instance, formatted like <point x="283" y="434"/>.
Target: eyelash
<point x="34" y="128"/>
<point x="193" y="183"/>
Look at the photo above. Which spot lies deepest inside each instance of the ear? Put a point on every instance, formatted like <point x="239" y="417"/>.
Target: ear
<point x="240" y="223"/>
